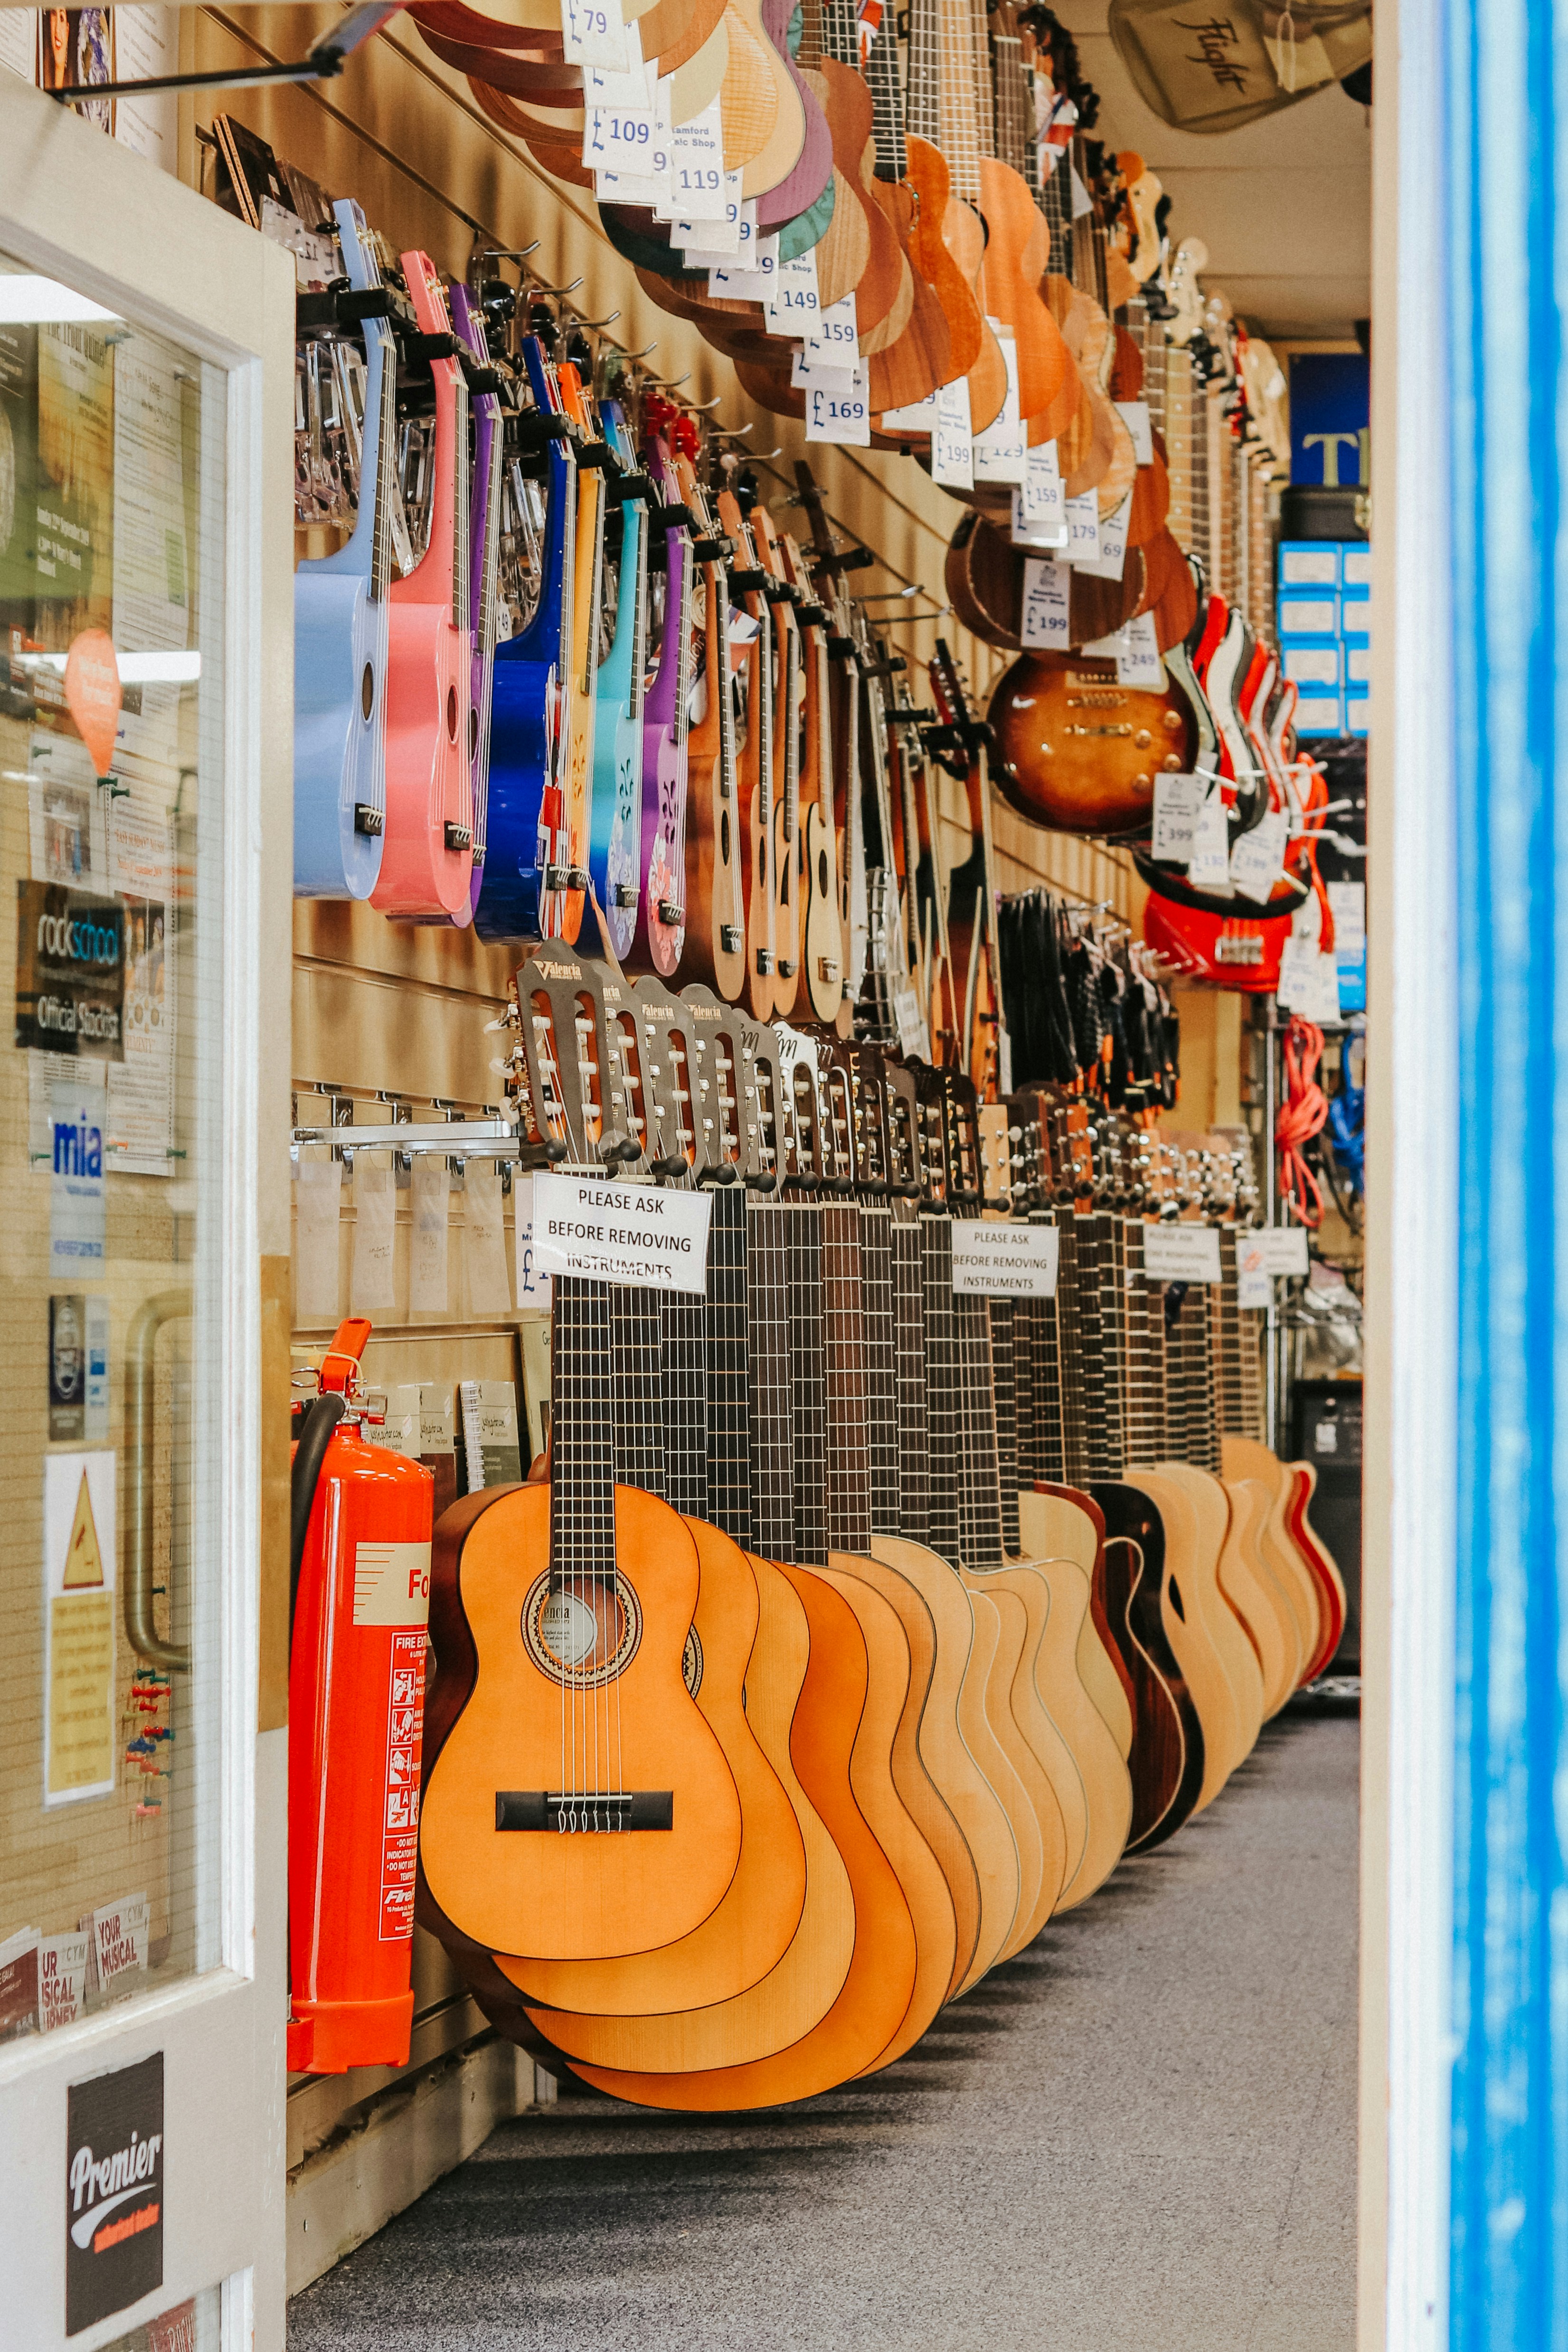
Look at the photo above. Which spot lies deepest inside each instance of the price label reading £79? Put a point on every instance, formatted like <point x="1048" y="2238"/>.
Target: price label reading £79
<point x="841" y="411"/>
<point x="592" y="34"/>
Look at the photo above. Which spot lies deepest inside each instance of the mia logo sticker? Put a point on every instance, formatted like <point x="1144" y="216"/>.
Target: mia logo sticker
<point x="114" y="2192"/>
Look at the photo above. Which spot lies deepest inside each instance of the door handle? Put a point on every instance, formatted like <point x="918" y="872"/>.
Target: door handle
<point x="165" y="1306"/>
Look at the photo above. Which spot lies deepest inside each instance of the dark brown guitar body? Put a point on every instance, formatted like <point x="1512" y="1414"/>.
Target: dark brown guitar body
<point x="1079" y="753"/>
<point x="983" y="576"/>
<point x="1167" y="1758"/>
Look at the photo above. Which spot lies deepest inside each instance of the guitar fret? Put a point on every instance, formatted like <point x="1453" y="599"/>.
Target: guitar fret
<point x="808" y="1382"/>
<point x="914" y="1428"/>
<point x="881" y="1366"/>
<point x="772" y="1430"/>
<point x="848" y="1466"/>
<point x="729" y="1380"/>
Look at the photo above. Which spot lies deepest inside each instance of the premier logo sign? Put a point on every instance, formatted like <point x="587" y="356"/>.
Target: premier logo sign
<point x="114" y="2192"/>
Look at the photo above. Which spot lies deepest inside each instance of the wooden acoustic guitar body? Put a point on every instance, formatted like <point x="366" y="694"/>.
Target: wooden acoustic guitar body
<point x="674" y="30"/>
<point x="848" y="1780"/>
<point x="1176" y="610"/>
<point x="1227" y="1628"/>
<point x="1050" y="1776"/>
<point x="1064" y="1523"/>
<point x="918" y="359"/>
<point x="753" y="1927"/>
<point x="1017" y="250"/>
<point x="748" y="97"/>
<point x="714" y="949"/>
<point x="847" y="103"/>
<point x="1335" y="1601"/>
<point x="1077" y="752"/>
<point x="1246" y="1457"/>
<point x="928" y="180"/>
<point x="1188" y="1605"/>
<point x="783" y="2006"/>
<point x="955" y="1707"/>
<point x="1167" y="1758"/>
<point x="899" y="1829"/>
<point x="799" y="188"/>
<point x="497" y="1719"/>
<point x="1099" y="1764"/>
<point x="541" y="75"/>
<point x="982" y="1707"/>
<point x="1244" y="1573"/>
<point x="964" y="234"/>
<point x="938" y="1749"/>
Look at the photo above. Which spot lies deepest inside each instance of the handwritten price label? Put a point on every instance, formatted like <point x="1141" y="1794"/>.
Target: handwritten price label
<point x="952" y="439"/>
<point x="1046" y="611"/>
<point x="795" y="304"/>
<point x="697" y="166"/>
<point x="843" y="415"/>
<point x="592" y="34"/>
<point x="835" y="328"/>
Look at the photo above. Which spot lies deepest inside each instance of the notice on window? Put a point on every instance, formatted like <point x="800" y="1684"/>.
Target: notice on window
<point x="631" y="1234"/>
<point x="80" y="1745"/>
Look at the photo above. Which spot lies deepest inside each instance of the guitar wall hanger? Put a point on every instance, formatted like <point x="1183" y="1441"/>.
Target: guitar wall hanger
<point x="324" y="64"/>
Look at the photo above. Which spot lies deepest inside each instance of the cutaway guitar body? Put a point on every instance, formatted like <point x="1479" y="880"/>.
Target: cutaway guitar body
<point x="1064" y="1523"/>
<point x="1247" y="1457"/>
<point x="983" y="1703"/>
<point x="1167" y="1757"/>
<point x="1335" y="1603"/>
<point x="1051" y="1780"/>
<point x="1207" y="1515"/>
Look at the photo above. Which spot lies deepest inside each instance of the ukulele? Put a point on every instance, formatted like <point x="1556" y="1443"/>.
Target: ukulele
<point x="715" y="944"/>
<point x="484" y="547"/>
<point x="615" y="820"/>
<point x="816" y="887"/>
<point x="971" y="891"/>
<point x="756" y="766"/>
<point x="341" y="606"/>
<point x="427" y="855"/>
<point x="906" y="365"/>
<point x="844" y="719"/>
<point x="661" y="914"/>
<point x="781" y="596"/>
<point x="559" y="1701"/>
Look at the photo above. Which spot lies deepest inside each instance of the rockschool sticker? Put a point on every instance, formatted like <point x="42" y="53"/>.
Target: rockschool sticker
<point x="114" y="2192"/>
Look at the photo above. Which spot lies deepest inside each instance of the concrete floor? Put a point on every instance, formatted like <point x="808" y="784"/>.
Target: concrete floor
<point x="1141" y="2132"/>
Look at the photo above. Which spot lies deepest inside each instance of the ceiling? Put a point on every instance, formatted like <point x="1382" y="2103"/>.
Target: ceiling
<point x="1285" y="206"/>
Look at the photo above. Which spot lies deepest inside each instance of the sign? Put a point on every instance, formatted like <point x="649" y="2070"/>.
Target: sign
<point x="841" y="413"/>
<point x="533" y="1282"/>
<point x="78" y="1097"/>
<point x="1001" y="451"/>
<point x="1276" y="1249"/>
<point x="119" y="1934"/>
<point x="628" y="1234"/>
<point x="113" y="2191"/>
<point x="70" y="971"/>
<point x="1329" y="410"/>
<point x="1048" y="590"/>
<point x="952" y="441"/>
<point x="62" y="1978"/>
<point x="80" y="1745"/>
<point x="1181" y="1252"/>
<point x="1004" y="1261"/>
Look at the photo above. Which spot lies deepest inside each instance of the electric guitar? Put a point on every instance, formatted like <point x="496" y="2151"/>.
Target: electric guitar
<point x="816" y="890"/>
<point x="427" y="857"/>
<point x="614" y="839"/>
<point x="341" y="606"/>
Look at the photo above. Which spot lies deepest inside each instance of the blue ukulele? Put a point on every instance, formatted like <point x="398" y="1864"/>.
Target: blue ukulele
<point x="616" y="825"/>
<point x="340" y="625"/>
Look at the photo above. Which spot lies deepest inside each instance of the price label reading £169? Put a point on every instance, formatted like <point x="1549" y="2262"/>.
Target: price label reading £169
<point x="841" y="412"/>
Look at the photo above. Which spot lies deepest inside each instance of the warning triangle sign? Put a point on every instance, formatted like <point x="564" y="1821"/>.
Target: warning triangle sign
<point x="84" y="1562"/>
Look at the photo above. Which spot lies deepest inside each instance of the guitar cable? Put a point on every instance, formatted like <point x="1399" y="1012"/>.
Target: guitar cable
<point x="1303" y="1113"/>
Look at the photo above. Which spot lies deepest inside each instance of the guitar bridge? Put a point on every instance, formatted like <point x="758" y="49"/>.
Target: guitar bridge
<point x="732" y="938"/>
<point x="787" y="969"/>
<point x="764" y="961"/>
<point x="827" y="967"/>
<point x="568" y="1812"/>
<point x="458" y="836"/>
<point x="626" y="894"/>
<point x="368" y="820"/>
<point x="671" y="914"/>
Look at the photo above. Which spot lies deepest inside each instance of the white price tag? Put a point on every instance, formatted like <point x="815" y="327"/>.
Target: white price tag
<point x="1347" y="904"/>
<point x="1134" y="415"/>
<point x="631" y="1233"/>
<point x="753" y="277"/>
<point x="1320" y="998"/>
<point x="952" y="442"/>
<point x="1135" y="650"/>
<point x="648" y="192"/>
<point x="836" y="330"/>
<point x="841" y="416"/>
<point x="1004" y="1261"/>
<point x="918" y="416"/>
<point x="1208" y="867"/>
<point x="1046" y="591"/>
<point x="1113" y="557"/>
<point x="697" y="166"/>
<point x="1276" y="1249"/>
<point x="1177" y="800"/>
<point x="796" y="300"/>
<point x="1083" y="531"/>
<point x="1041" y="496"/>
<point x="1256" y="860"/>
<point x="1000" y="450"/>
<point x="1181" y="1252"/>
<point x="1254" y="1289"/>
<point x="806" y="369"/>
<point x="619" y="139"/>
<point x="630" y="88"/>
<point x="1036" y="534"/>
<point x="592" y="34"/>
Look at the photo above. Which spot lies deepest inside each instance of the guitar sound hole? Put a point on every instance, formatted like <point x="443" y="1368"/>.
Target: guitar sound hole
<point x="367" y="692"/>
<point x="724" y="834"/>
<point x="822" y="872"/>
<point x="452" y="714"/>
<point x="473" y="733"/>
<point x="585" y="1632"/>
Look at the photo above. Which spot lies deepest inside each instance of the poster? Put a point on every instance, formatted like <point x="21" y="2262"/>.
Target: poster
<point x="74" y="497"/>
<point x="113" y="2191"/>
<point x="141" y="1132"/>
<point x="79" y="1598"/>
<point x="152" y="617"/>
<point x="77" y="1099"/>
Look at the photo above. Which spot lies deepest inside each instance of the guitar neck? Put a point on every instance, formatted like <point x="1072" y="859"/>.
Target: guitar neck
<point x="941" y="1380"/>
<point x="684" y="1396"/>
<point x="922" y="102"/>
<point x="913" y="1427"/>
<point x="809" y="1382"/>
<point x="846" y="1500"/>
<point x="771" y="1413"/>
<point x="879" y="1325"/>
<point x="582" y="1437"/>
<point x="729" y="1378"/>
<point x="887" y="104"/>
<point x="636" y="1352"/>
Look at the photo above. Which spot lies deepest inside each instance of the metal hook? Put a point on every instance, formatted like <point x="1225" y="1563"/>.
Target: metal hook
<point x="643" y="352"/>
<point x="701" y="407"/>
<point x="508" y="252"/>
<point x="598" y="323"/>
<point x="892" y="595"/>
<point x="533" y="291"/>
<point x="669" y="382"/>
<point x="733" y="432"/>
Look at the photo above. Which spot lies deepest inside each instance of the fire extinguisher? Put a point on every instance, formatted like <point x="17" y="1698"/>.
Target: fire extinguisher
<point x="359" y="1522"/>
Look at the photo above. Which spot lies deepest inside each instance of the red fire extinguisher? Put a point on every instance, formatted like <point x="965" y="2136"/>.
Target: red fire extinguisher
<point x="360" y="1598"/>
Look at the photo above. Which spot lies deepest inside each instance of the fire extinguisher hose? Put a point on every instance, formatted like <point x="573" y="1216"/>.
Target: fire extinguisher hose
<point x="323" y="1415"/>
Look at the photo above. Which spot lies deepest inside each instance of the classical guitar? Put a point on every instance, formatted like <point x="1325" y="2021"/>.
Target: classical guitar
<point x="427" y="855"/>
<point x="340" y="603"/>
<point x="559" y="1701"/>
<point x="615" y="820"/>
<point x="715" y="946"/>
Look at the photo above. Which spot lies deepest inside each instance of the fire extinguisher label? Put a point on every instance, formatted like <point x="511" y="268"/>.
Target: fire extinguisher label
<point x="391" y="1584"/>
<point x="400" y="1829"/>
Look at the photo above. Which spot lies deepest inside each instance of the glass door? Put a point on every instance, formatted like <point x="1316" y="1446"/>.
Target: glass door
<point x="142" y="1801"/>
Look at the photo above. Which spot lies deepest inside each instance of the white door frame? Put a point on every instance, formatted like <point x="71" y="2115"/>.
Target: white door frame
<point x="76" y="206"/>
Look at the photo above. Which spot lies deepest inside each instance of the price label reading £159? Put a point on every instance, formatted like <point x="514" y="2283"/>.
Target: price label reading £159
<point x="836" y="330"/>
<point x="841" y="412"/>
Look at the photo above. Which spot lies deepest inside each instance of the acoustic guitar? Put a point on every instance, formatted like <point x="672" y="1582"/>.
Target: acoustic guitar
<point x="756" y="766"/>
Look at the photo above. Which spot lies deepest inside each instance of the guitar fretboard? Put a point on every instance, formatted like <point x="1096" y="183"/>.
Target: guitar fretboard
<point x="772" y="1429"/>
<point x="729" y="1382"/>
<point x="1004" y="1389"/>
<point x="636" y="1348"/>
<point x="583" y="1416"/>
<point x="847" y="1496"/>
<point x="808" y="1382"/>
<point x="685" y="1384"/>
<point x="881" y="1366"/>
<point x="914" y="1428"/>
<point x="942" y="1382"/>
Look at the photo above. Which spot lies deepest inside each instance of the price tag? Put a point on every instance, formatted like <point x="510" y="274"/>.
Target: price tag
<point x="1347" y="904"/>
<point x="1181" y="1252"/>
<point x="1046" y="591"/>
<point x="1208" y="867"/>
<point x="1276" y="1249"/>
<point x="631" y="1234"/>
<point x="999" y="451"/>
<point x="1112" y="556"/>
<point x="592" y="34"/>
<point x="1041" y="496"/>
<point x="1177" y="800"/>
<point x="836" y="330"/>
<point x="952" y="442"/>
<point x="648" y="188"/>
<point x="807" y="370"/>
<point x="1135" y="650"/>
<point x="796" y="301"/>
<point x="619" y="139"/>
<point x="841" y="416"/>
<point x="1083" y="531"/>
<point x="1254" y="1289"/>
<point x="1134" y="415"/>
<point x="631" y="88"/>
<point x="697" y="166"/>
<point x="752" y="279"/>
<point x="730" y="241"/>
<point x="914" y="1039"/>
<point x="1256" y="860"/>
<point x="707" y="244"/>
<point x="993" y="1260"/>
<point x="918" y="416"/>
<point x="1310" y="980"/>
<point x="1035" y="535"/>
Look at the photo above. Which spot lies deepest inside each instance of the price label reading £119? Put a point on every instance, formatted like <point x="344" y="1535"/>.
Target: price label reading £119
<point x="841" y="412"/>
<point x="592" y="34"/>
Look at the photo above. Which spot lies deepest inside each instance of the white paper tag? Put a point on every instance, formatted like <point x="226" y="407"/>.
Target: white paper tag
<point x="62" y="1978"/>
<point x="592" y="34"/>
<point x="1177" y="800"/>
<point x="318" y="1197"/>
<point x="696" y="166"/>
<point x="1254" y="1289"/>
<point x="371" y="1290"/>
<point x="631" y="1234"/>
<point x="919" y="417"/>
<point x="836" y="330"/>
<point x="1111" y="561"/>
<point x="1256" y="860"/>
<point x="533" y="1290"/>
<point x="806" y="368"/>
<point x="1347" y="904"/>
<point x="914" y="1039"/>
<point x="795" y="302"/>
<point x="1040" y="536"/>
<point x="952" y="441"/>
<point x="1320" y="996"/>
<point x="1134" y="415"/>
<point x="1000" y="450"/>
<point x="601" y="87"/>
<point x="753" y="276"/>
<point x="707" y="244"/>
<point x="649" y="192"/>
<point x="1181" y="1252"/>
<point x="1041" y="497"/>
<point x="1048" y="588"/>
<point x="1278" y="1249"/>
<point x="432" y="1191"/>
<point x="1083" y="530"/>
<point x="1135" y="650"/>
<point x="1004" y="1261"/>
<point x="620" y="138"/>
<point x="841" y="416"/>
<point x="1208" y="866"/>
<point x="484" y="1244"/>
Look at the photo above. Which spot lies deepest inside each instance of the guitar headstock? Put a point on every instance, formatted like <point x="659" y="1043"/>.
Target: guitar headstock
<point x="577" y="1103"/>
<point x="993" y="1120"/>
<point x="865" y="1067"/>
<point x="669" y="1139"/>
<point x="716" y="1109"/>
<point x="803" y="1124"/>
<point x="759" y="1092"/>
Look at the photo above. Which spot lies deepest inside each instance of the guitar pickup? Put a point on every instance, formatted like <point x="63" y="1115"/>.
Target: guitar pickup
<point x="732" y="938"/>
<point x="625" y="893"/>
<point x="368" y="820"/>
<point x="458" y="836"/>
<point x="670" y="915"/>
<point x="566" y="1812"/>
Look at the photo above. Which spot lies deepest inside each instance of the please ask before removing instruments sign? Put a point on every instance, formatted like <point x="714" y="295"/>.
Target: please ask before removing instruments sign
<point x="649" y="1239"/>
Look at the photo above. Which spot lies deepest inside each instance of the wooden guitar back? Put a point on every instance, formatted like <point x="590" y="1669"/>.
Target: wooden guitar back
<point x="1055" y="1784"/>
<point x="1002" y="1872"/>
<point x="1167" y="1758"/>
<point x="1063" y="1523"/>
<point x="1100" y="1766"/>
<point x="1334" y="1600"/>
<point x="1228" y="1628"/>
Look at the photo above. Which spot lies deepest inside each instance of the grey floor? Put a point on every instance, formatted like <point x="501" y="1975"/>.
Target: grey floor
<point x="1141" y="2132"/>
